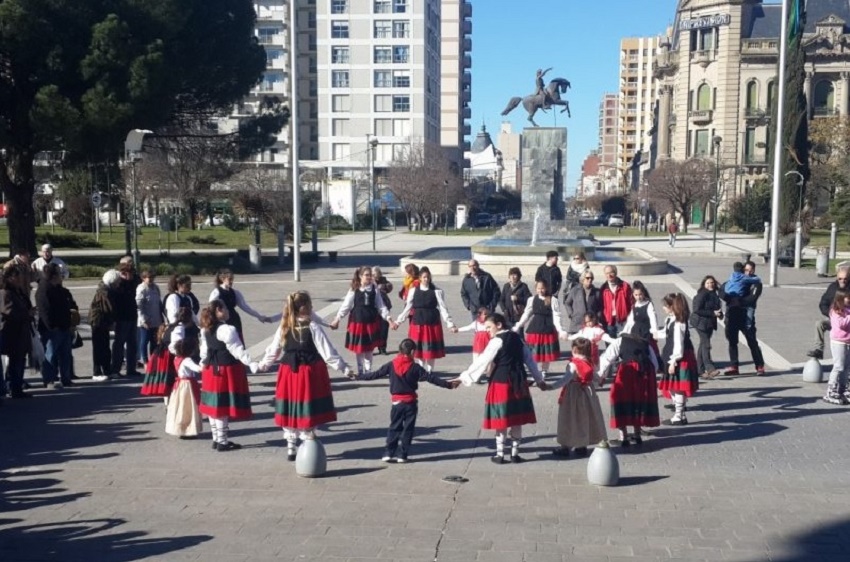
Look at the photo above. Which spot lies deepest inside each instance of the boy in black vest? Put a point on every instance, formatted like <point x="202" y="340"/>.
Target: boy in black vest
<point x="404" y="375"/>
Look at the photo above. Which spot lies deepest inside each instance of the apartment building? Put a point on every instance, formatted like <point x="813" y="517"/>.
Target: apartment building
<point x="608" y="121"/>
<point x="455" y="77"/>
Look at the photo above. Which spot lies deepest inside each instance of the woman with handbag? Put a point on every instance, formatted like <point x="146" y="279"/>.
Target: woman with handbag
<point x="17" y="333"/>
<point x="56" y="306"/>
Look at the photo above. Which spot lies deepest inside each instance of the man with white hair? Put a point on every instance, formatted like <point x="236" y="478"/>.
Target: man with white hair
<point x="47" y="258"/>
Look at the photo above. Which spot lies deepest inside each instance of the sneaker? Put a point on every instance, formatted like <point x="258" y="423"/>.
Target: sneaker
<point x="730" y="371"/>
<point x="760" y="371"/>
<point x="516" y="459"/>
<point x="816" y="353"/>
<point x="57" y="385"/>
<point x="100" y="378"/>
<point x="386" y="458"/>
<point x="498" y="459"/>
<point x="710" y="374"/>
<point x="401" y="460"/>
<point x="678" y="420"/>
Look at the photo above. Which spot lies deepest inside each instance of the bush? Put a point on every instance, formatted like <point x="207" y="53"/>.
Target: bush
<point x="338" y="222"/>
<point x="232" y="223"/>
<point x="87" y="270"/>
<point x="208" y="240"/>
<point x="76" y="215"/>
<point x="67" y="240"/>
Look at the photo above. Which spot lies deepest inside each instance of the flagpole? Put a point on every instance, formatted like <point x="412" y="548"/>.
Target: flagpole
<point x="777" y="151"/>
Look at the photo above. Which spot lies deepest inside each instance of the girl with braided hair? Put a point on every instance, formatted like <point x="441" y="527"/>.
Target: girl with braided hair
<point x="303" y="396"/>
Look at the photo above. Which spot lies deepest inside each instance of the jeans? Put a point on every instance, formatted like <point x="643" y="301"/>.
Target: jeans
<point x="704" y="362"/>
<point x="840" y="362"/>
<point x="615" y="329"/>
<point x="146" y="342"/>
<point x="736" y="321"/>
<point x="402" y="425"/>
<point x="124" y="344"/>
<point x="57" y="356"/>
<point x="822" y="327"/>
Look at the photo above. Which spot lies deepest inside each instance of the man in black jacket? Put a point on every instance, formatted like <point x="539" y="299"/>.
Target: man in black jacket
<point x="740" y="317"/>
<point x="823" y="326"/>
<point x="550" y="274"/>
<point x="478" y="289"/>
<point x="124" y="346"/>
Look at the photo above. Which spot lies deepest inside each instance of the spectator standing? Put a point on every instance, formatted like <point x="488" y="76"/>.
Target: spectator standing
<point x="126" y="319"/>
<point x="514" y="296"/>
<point x="384" y="288"/>
<point x="578" y="266"/>
<point x="823" y="326"/>
<point x="550" y="273"/>
<point x="47" y="258"/>
<point x="101" y="319"/>
<point x="582" y="300"/>
<point x="17" y="316"/>
<point x="707" y="310"/>
<point x="55" y="305"/>
<point x="479" y="289"/>
<point x="150" y="312"/>
<point x="617" y="301"/>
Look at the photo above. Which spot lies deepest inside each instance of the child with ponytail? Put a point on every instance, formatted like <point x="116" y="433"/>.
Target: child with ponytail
<point x="679" y="379"/>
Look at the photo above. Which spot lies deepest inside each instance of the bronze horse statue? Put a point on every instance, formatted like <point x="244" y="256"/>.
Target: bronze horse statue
<point x="550" y="96"/>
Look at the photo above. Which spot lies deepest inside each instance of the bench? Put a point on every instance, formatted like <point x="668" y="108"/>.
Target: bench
<point x="786" y="256"/>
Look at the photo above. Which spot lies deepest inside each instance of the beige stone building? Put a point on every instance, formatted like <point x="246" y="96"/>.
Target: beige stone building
<point x="717" y="74"/>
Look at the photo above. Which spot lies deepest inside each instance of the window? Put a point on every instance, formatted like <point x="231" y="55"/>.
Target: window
<point x="771" y="94"/>
<point x="311" y="20"/>
<point x="401" y="29"/>
<point x="339" y="127"/>
<point x="383" y="79"/>
<point x="340" y="55"/>
<point x="383" y="29"/>
<point x="401" y="54"/>
<point x="339" y="79"/>
<point x="401" y="78"/>
<point x="383" y="55"/>
<point x="702" y="144"/>
<point x="267" y="35"/>
<point x="383" y="103"/>
<point x="824" y="98"/>
<point x="382" y="6"/>
<point x="384" y="153"/>
<point x="703" y="97"/>
<point x="339" y="6"/>
<point x="341" y="151"/>
<point x="401" y="104"/>
<point x="749" y="145"/>
<point x="401" y="127"/>
<point x="339" y="29"/>
<point x="399" y="6"/>
<point x="752" y="95"/>
<point x="383" y="127"/>
<point x="341" y="103"/>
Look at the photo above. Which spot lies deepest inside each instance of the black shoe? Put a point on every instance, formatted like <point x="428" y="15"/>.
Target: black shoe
<point x="625" y="443"/>
<point x="561" y="452"/>
<point x="21" y="394"/>
<point x="67" y="382"/>
<point x="516" y="459"/>
<point x="498" y="459"/>
<point x="637" y="440"/>
<point x="215" y="445"/>
<point x="816" y="353"/>
<point x="382" y="350"/>
<point x="228" y="446"/>
<point x="681" y="421"/>
<point x="73" y="377"/>
<point x="580" y="451"/>
<point x="290" y="455"/>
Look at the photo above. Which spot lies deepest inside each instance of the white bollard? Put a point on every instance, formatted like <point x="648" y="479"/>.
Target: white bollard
<point x="798" y="245"/>
<point x="767" y="238"/>
<point x="311" y="460"/>
<point x="812" y="371"/>
<point x="833" y="241"/>
<point x="603" y="469"/>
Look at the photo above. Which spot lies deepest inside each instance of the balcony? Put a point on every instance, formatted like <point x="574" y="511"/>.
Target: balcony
<point x="467" y="62"/>
<point x="467" y="44"/>
<point x="467" y="10"/>
<point x="466" y="82"/>
<point x="824" y="111"/>
<point x="701" y="116"/>
<point x="756" y="115"/>
<point x="467" y="129"/>
<point x="466" y="112"/>
<point x="466" y="96"/>
<point x="755" y="160"/>
<point x="760" y="47"/>
<point x="703" y="58"/>
<point x="278" y="63"/>
<point x="272" y="15"/>
<point x="466" y="27"/>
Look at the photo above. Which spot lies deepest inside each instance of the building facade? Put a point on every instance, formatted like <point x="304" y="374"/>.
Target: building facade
<point x="455" y="76"/>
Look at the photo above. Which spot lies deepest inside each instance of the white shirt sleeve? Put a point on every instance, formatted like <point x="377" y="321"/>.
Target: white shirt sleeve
<point x="408" y="305"/>
<point x="653" y="321"/>
<point x="189" y="369"/>
<point x="172" y="307"/>
<point x="346" y="306"/>
<point x="205" y="351"/>
<point x="213" y="294"/>
<point x="569" y="374"/>
<point x="482" y="362"/>
<point x="630" y="323"/>
<point x="556" y="316"/>
<point x="441" y="305"/>
<point x="240" y="302"/>
<point x="178" y="334"/>
<point x="609" y="357"/>
<point x="467" y="328"/>
<point x="678" y="343"/>
<point x="526" y="314"/>
<point x="326" y="348"/>
<point x="230" y="337"/>
<point x="273" y="351"/>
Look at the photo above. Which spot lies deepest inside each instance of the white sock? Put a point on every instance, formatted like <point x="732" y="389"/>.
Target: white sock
<point x="214" y="429"/>
<point x="367" y="361"/>
<point x="500" y="443"/>
<point x="223" y="426"/>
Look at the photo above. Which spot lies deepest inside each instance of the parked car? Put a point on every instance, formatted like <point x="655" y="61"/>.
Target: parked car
<point x="499" y="219"/>
<point x="602" y="219"/>
<point x="483" y="220"/>
<point x="616" y="220"/>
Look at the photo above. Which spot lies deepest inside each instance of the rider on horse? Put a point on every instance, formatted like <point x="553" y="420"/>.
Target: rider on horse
<point x="541" y="88"/>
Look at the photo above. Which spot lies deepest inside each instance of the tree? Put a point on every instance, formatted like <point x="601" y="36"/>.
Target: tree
<point x="751" y="211"/>
<point x="795" y="133"/>
<point x="678" y="185"/>
<point x="424" y="182"/>
<point x="829" y="138"/>
<point x="77" y="76"/>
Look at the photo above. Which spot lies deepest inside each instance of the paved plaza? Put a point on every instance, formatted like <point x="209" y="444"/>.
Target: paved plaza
<point x="762" y="471"/>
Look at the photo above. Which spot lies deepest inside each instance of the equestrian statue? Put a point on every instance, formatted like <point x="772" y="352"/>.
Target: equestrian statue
<point x="543" y="97"/>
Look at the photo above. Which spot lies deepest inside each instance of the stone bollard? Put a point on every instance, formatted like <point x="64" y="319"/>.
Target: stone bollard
<point x="311" y="460"/>
<point x="603" y="469"/>
<point x="812" y="371"/>
<point x="255" y="256"/>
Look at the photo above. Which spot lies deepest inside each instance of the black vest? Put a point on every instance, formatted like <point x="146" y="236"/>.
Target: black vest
<point x="217" y="354"/>
<point x="228" y="297"/>
<point x="541" y="317"/>
<point x="298" y="346"/>
<point x="508" y="365"/>
<point x="365" y="310"/>
<point x="642" y="328"/>
<point x="425" y="309"/>
<point x="637" y="350"/>
<point x="667" y="352"/>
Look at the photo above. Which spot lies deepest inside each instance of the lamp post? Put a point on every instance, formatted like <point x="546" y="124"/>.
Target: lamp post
<point x="132" y="149"/>
<point x="446" y="218"/>
<point x="371" y="145"/>
<point x="716" y="141"/>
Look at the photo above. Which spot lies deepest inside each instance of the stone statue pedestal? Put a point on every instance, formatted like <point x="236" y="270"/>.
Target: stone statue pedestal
<point x="544" y="166"/>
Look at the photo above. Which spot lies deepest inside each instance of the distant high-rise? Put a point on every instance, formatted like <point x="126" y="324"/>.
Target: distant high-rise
<point x="608" y="130"/>
<point x="455" y="76"/>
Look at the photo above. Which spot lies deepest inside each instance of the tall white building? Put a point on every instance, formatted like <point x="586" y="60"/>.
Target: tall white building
<point x="456" y="76"/>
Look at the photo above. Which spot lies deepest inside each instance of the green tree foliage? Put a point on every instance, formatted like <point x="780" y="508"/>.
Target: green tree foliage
<point x="77" y="76"/>
<point x="752" y="210"/>
<point x="795" y="130"/>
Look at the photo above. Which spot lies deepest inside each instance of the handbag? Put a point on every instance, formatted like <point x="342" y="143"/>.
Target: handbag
<point x="77" y="342"/>
<point x="37" y="348"/>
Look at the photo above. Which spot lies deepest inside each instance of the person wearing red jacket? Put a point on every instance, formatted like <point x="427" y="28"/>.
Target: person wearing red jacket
<point x="617" y="301"/>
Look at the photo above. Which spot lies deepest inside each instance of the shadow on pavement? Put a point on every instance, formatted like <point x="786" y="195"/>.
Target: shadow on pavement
<point x="827" y="542"/>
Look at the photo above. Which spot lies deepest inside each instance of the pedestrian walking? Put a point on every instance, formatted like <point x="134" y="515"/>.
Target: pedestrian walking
<point x="542" y="322"/>
<point x="672" y="232"/>
<point x="680" y="379"/>
<point x="302" y="398"/>
<point x="404" y="375"/>
<point x="738" y="320"/>
<point x="508" y="404"/>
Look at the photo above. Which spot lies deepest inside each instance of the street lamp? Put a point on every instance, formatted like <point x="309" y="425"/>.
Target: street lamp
<point x="371" y="145"/>
<point x="446" y="218"/>
<point x="132" y="151"/>
<point x="716" y="141"/>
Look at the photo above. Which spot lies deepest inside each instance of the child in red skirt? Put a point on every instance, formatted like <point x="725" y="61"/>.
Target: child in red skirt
<point x="405" y="376"/>
<point x="580" y="421"/>
<point x="508" y="405"/>
<point x="302" y="398"/>
<point x="159" y="371"/>
<point x="594" y="333"/>
<point x="542" y="314"/>
<point x="428" y="306"/>
<point x="680" y="379"/>
<point x="182" y="417"/>
<point x="364" y="306"/>
<point x="224" y="384"/>
<point x="482" y="336"/>
<point x="633" y="396"/>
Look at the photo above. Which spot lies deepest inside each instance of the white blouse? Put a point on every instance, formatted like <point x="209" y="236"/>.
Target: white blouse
<point x="323" y="345"/>
<point x="240" y="302"/>
<point x="348" y="303"/>
<point x="172" y="307"/>
<point x="679" y="329"/>
<point x="482" y="363"/>
<point x="441" y="305"/>
<point x="612" y="353"/>
<point x="228" y="335"/>
<point x="526" y="315"/>
<point x="650" y="311"/>
<point x="188" y="369"/>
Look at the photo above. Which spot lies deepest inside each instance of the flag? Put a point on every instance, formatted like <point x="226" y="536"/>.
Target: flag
<point x="796" y="19"/>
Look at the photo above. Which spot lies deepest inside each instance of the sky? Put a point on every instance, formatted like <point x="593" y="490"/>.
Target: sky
<point x="579" y="39"/>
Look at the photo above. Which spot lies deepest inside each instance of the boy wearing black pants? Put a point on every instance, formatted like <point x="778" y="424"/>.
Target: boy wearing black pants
<point x="404" y="375"/>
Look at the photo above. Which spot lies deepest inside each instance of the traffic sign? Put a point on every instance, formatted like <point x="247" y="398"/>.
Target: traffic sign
<point x="96" y="199"/>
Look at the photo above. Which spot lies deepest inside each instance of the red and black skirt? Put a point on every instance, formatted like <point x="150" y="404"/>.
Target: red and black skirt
<point x="685" y="380"/>
<point x="159" y="374"/>
<point x="224" y="392"/>
<point x="633" y="396"/>
<point x="504" y="407"/>
<point x="544" y="347"/>
<point x="302" y="398"/>
<point x="363" y="337"/>
<point x="429" y="340"/>
<point x="480" y="341"/>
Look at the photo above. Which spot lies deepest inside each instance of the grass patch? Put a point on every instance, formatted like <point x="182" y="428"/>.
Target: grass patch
<point x="626" y="232"/>
<point x="96" y="266"/>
